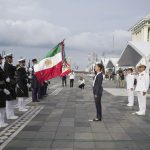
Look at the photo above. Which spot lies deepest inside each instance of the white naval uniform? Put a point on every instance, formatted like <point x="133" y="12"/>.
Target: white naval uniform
<point x="130" y="89"/>
<point x="142" y="86"/>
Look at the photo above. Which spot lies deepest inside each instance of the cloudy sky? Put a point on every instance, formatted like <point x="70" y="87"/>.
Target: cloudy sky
<point x="30" y="28"/>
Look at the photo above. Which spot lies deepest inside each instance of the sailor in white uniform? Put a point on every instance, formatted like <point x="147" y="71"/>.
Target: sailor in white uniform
<point x="142" y="88"/>
<point x="130" y="87"/>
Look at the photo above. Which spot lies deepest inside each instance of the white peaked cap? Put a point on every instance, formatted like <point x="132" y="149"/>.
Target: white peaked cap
<point x="21" y="59"/>
<point x="8" y="55"/>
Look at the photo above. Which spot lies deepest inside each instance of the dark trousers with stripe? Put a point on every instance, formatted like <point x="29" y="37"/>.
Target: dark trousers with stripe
<point x="36" y="94"/>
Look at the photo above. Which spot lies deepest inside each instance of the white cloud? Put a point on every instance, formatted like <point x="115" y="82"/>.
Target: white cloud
<point x="31" y="33"/>
<point x="37" y="36"/>
<point x="36" y="25"/>
<point x="41" y="33"/>
<point x="101" y="41"/>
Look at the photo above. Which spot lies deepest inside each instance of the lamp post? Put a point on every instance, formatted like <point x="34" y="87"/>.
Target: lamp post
<point x="116" y="67"/>
<point x="90" y="61"/>
<point x="3" y="52"/>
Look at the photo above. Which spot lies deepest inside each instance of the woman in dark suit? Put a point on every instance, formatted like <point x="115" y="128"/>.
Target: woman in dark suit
<point x="98" y="90"/>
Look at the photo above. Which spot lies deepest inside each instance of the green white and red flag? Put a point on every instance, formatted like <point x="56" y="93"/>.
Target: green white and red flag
<point x="51" y="65"/>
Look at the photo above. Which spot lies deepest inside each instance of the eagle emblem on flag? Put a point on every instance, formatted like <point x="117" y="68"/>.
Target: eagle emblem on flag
<point x="48" y="63"/>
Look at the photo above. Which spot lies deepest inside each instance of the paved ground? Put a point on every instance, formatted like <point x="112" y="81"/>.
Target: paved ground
<point x="60" y="122"/>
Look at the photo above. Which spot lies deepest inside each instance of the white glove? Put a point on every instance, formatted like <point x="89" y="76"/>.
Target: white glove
<point x="30" y="77"/>
<point x="6" y="92"/>
<point x="8" y="79"/>
<point x="30" y="69"/>
<point x="28" y="85"/>
<point x="17" y="85"/>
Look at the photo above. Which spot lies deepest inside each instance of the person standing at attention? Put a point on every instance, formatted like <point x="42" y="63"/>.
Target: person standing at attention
<point x="3" y="93"/>
<point x="72" y="77"/>
<point x="130" y="87"/>
<point x="64" y="80"/>
<point x="142" y="87"/>
<point x="35" y="85"/>
<point x="22" y="84"/>
<point x="10" y="69"/>
<point x="97" y="91"/>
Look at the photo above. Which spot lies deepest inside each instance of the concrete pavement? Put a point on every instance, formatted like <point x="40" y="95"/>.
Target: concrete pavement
<point x="60" y="122"/>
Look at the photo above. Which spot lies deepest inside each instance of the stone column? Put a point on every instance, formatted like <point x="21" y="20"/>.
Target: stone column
<point x="145" y="34"/>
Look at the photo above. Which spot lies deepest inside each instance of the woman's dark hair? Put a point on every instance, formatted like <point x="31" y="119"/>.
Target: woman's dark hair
<point x="100" y="66"/>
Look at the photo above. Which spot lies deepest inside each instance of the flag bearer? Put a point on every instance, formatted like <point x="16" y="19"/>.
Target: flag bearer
<point x="22" y="84"/>
<point x="11" y="86"/>
<point x="130" y="87"/>
<point x="35" y="85"/>
<point x="142" y="88"/>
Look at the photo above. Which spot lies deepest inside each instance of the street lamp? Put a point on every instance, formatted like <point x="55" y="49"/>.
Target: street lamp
<point x="116" y="68"/>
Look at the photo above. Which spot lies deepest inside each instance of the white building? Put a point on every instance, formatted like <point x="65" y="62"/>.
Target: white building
<point x="135" y="53"/>
<point x="112" y="63"/>
<point x="141" y="30"/>
<point x="104" y="61"/>
<point x="138" y="49"/>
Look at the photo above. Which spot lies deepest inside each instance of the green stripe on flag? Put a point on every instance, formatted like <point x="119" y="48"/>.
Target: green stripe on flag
<point x="54" y="51"/>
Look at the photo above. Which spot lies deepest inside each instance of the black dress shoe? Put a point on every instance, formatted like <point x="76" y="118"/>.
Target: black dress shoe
<point x="96" y="119"/>
<point x="36" y="101"/>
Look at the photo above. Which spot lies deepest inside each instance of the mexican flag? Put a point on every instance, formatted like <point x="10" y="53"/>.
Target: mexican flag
<point x="50" y="66"/>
